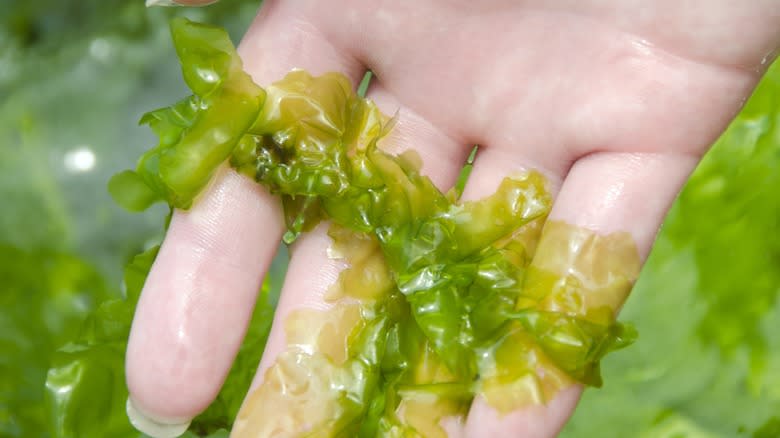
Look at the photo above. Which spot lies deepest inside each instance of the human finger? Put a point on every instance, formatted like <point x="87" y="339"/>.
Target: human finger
<point x="307" y="312"/>
<point x="622" y="195"/>
<point x="199" y="296"/>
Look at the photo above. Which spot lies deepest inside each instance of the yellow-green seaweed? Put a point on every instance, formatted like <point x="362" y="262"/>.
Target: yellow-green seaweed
<point x="462" y="298"/>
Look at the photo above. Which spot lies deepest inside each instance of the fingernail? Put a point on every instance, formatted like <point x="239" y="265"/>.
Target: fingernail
<point x="150" y="3"/>
<point x="152" y="426"/>
<point x="179" y="2"/>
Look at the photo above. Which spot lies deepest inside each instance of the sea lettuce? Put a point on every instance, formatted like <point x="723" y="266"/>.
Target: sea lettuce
<point x="466" y="310"/>
<point x="668" y="385"/>
<point x="198" y="133"/>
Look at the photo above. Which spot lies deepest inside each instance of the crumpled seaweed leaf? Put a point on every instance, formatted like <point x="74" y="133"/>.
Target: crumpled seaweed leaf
<point x="198" y="133"/>
<point x="456" y="316"/>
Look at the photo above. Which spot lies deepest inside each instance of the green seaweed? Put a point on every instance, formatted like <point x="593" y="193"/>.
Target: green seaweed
<point x="314" y="142"/>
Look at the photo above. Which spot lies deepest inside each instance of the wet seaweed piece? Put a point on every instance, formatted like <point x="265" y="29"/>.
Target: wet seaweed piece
<point x="443" y="299"/>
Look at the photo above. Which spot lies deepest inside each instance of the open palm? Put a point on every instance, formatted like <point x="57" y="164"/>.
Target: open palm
<point x="615" y="102"/>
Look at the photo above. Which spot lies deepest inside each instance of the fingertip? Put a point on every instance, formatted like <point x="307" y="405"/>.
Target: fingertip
<point x="198" y="298"/>
<point x="536" y="421"/>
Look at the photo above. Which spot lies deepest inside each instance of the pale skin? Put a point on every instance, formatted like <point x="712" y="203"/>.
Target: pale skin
<point x="615" y="102"/>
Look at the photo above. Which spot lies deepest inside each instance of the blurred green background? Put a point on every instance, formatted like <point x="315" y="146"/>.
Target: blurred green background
<point x="75" y="76"/>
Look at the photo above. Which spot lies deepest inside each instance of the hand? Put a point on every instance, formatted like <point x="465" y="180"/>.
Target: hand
<point x="614" y="103"/>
